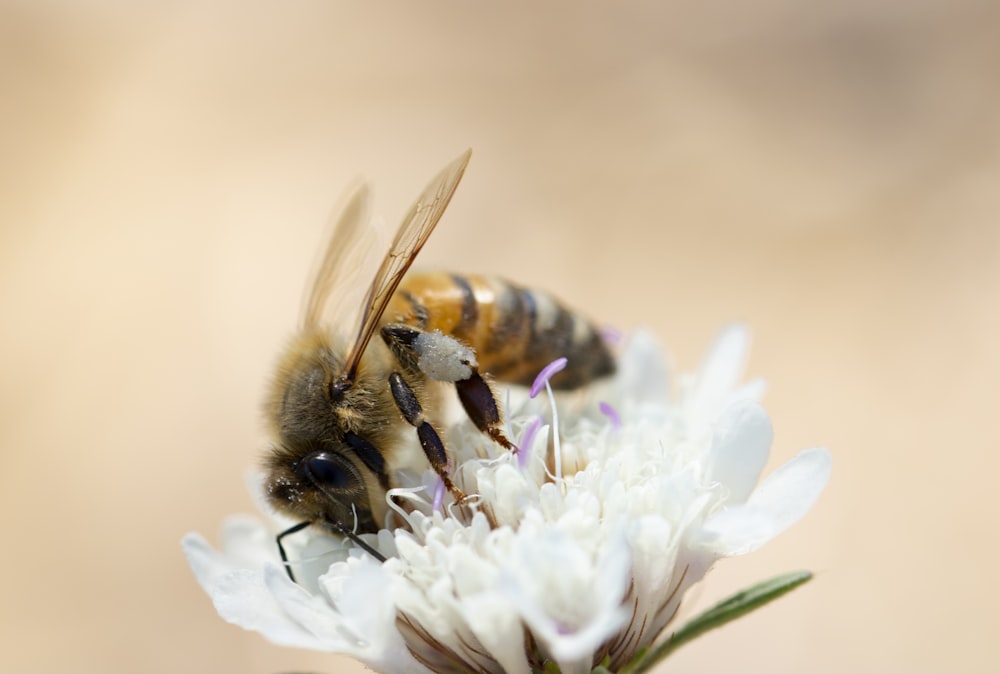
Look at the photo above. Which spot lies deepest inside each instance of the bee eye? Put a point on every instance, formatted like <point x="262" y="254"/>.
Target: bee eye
<point x="328" y="470"/>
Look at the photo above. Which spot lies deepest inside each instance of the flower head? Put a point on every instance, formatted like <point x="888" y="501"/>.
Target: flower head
<point x="577" y="549"/>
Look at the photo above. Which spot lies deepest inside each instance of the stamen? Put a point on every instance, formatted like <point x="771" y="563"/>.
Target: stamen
<point x="439" y="491"/>
<point x="527" y="440"/>
<point x="556" y="447"/>
<point x="543" y="377"/>
<point x="611" y="336"/>
<point x="610" y="412"/>
<point x="543" y="380"/>
<point x="394" y="497"/>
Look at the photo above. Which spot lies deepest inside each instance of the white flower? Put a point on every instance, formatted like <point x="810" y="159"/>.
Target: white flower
<point x="571" y="561"/>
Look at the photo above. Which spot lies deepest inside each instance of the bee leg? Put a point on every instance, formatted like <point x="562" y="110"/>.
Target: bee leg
<point x="444" y="358"/>
<point x="430" y="441"/>
<point x="481" y="406"/>
<point x="281" y="548"/>
<point x="438" y="356"/>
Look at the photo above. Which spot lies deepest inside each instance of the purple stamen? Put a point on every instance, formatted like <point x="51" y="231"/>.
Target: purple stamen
<point x="611" y="336"/>
<point x="543" y="377"/>
<point x="524" y="446"/>
<point x="438" y="495"/>
<point x="610" y="412"/>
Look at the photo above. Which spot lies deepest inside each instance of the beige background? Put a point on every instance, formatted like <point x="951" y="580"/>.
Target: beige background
<point x="829" y="175"/>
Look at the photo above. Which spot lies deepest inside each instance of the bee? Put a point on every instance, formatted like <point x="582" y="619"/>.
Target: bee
<point x="339" y="408"/>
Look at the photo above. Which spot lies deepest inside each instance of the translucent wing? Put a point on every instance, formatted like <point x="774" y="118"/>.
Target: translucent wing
<point x="413" y="232"/>
<point x="343" y="260"/>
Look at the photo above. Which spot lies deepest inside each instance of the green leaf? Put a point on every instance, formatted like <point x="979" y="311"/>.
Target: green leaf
<point x="725" y="611"/>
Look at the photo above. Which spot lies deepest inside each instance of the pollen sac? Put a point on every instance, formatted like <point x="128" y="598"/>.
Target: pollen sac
<point x="444" y="358"/>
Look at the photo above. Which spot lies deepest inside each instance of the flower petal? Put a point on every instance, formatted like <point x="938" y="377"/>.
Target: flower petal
<point x="498" y="627"/>
<point x="361" y="590"/>
<point x="643" y="375"/>
<point x="307" y="609"/>
<point x="781" y="500"/>
<point x="722" y="367"/>
<point x="207" y="564"/>
<point x="570" y="600"/>
<point x="790" y="491"/>
<point x="240" y="596"/>
<point x="737" y="531"/>
<point x="741" y="444"/>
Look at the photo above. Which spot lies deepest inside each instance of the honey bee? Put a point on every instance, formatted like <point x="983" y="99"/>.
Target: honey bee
<point x="339" y="407"/>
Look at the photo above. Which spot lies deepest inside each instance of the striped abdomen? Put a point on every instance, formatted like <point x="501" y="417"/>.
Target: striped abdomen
<point x="514" y="331"/>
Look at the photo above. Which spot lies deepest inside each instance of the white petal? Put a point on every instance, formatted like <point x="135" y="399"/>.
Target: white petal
<point x="552" y="579"/>
<point x="781" y="500"/>
<point x="737" y="531"/>
<point x="643" y="375"/>
<point x="498" y="627"/>
<point x="722" y="367"/>
<point x="240" y="597"/>
<point x="243" y="599"/>
<point x="751" y="390"/>
<point x="790" y="491"/>
<point x="366" y="636"/>
<point x="741" y="444"/>
<point x="654" y="548"/>
<point x="362" y="593"/>
<point x="507" y="489"/>
<point x="247" y="543"/>
<point x="207" y="564"/>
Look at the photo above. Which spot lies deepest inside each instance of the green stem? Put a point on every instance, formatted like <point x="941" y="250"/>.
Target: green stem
<point x="728" y="610"/>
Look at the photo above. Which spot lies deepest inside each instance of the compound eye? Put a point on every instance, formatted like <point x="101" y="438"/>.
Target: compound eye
<point x="331" y="471"/>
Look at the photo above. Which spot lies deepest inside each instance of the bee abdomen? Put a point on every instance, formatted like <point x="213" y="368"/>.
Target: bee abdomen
<point x="515" y="331"/>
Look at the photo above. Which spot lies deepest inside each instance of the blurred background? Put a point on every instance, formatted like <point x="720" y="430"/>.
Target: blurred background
<point x="826" y="172"/>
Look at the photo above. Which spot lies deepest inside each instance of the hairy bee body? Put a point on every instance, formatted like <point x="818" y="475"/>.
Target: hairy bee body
<point x="347" y="391"/>
<point x="306" y="420"/>
<point x="515" y="331"/>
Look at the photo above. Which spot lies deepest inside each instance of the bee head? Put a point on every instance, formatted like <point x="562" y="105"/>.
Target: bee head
<point x="323" y="483"/>
<point x="325" y="465"/>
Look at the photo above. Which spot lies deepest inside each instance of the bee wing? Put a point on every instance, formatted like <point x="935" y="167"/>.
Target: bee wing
<point x="410" y="238"/>
<point x="344" y="259"/>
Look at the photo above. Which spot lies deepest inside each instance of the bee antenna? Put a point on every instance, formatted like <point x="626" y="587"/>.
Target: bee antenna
<point x="281" y="548"/>
<point x="340" y="528"/>
<point x="354" y="538"/>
